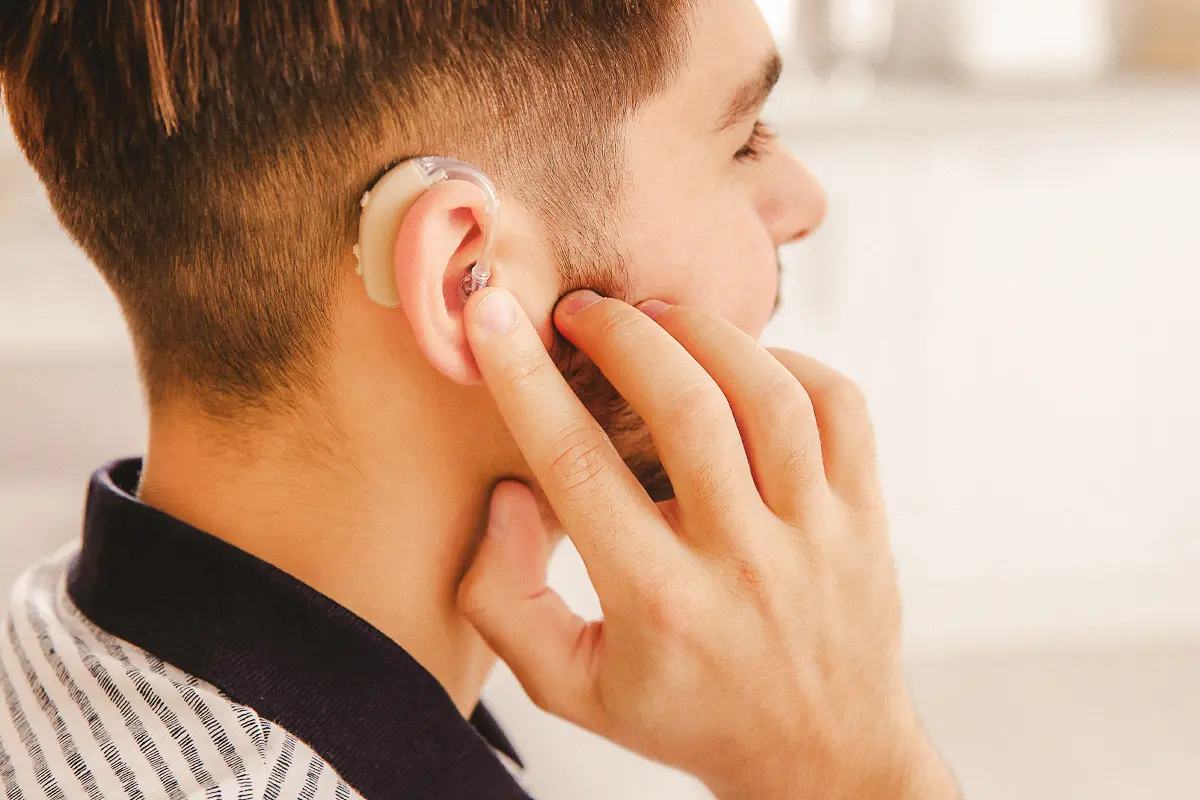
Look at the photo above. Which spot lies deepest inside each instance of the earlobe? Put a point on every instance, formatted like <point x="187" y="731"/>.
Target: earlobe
<point x="436" y="244"/>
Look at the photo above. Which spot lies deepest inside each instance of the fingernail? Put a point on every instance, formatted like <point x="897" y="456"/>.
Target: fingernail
<point x="499" y="511"/>
<point x="578" y="301"/>
<point x="652" y="308"/>
<point x="495" y="524"/>
<point x="497" y="313"/>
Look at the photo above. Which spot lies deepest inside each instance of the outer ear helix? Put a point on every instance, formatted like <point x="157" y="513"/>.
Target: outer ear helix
<point x="386" y="203"/>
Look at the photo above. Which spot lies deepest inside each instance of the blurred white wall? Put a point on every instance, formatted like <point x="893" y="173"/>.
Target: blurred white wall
<point x="1014" y="282"/>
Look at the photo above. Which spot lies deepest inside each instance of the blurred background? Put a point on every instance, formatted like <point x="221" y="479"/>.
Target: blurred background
<point x="1010" y="269"/>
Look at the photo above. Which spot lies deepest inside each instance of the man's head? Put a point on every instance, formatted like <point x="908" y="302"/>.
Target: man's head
<point x="209" y="158"/>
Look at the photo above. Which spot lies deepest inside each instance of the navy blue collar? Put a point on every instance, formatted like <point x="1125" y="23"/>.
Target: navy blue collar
<point x="274" y="644"/>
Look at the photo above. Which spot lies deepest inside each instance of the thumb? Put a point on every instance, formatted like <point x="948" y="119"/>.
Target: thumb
<point x="504" y="595"/>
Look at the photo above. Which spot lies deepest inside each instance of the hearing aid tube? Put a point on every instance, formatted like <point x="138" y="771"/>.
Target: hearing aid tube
<point x="389" y="200"/>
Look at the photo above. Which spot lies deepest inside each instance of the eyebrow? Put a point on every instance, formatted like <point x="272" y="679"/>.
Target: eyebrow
<point x="751" y="96"/>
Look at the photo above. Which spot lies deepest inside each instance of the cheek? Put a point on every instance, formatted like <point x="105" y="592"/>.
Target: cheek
<point x="730" y="271"/>
<point x="759" y="289"/>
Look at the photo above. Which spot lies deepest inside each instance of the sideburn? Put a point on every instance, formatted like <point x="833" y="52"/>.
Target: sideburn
<point x="624" y="426"/>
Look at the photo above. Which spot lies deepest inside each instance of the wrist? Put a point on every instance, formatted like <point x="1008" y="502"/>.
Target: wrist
<point x="907" y="767"/>
<point x="923" y="775"/>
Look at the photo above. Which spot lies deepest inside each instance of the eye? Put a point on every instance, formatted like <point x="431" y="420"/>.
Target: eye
<point x="760" y="138"/>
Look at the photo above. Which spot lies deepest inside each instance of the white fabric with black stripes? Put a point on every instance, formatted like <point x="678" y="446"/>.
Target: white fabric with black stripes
<point x="86" y="715"/>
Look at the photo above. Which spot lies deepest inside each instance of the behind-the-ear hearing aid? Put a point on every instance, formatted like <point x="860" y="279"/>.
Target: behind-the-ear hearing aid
<point x="383" y="208"/>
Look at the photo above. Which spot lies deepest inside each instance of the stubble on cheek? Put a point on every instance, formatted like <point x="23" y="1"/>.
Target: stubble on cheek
<point x="609" y="276"/>
<point x="625" y="427"/>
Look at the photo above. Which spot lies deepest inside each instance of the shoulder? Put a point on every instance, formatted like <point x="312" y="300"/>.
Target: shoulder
<point x="85" y="714"/>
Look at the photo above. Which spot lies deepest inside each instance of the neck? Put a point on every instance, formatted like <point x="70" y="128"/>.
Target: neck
<point x="384" y="526"/>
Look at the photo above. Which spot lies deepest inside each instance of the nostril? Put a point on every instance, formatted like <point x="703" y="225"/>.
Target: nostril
<point x="802" y="233"/>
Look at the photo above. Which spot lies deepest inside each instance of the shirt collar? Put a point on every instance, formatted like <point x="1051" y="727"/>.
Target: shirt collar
<point x="274" y="644"/>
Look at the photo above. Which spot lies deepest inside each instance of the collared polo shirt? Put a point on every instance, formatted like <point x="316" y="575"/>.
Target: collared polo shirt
<point x="156" y="661"/>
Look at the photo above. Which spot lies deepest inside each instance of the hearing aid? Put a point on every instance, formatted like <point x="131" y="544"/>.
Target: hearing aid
<point x="386" y="203"/>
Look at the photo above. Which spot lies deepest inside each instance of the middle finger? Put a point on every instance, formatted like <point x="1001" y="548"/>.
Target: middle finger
<point x="690" y="419"/>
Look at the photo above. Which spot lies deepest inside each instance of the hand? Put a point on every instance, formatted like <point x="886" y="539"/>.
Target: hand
<point x="751" y="630"/>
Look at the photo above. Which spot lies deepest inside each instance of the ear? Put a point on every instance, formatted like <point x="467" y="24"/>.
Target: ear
<point x="437" y="243"/>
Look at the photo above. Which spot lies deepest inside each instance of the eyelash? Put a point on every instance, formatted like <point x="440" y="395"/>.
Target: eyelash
<point x="760" y="137"/>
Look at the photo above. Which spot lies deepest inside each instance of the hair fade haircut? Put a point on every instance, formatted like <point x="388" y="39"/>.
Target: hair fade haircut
<point x="209" y="157"/>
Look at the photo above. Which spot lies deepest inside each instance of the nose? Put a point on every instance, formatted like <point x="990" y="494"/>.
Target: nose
<point x="793" y="203"/>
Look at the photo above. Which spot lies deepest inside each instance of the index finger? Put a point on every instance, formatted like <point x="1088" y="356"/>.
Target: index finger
<point x="596" y="497"/>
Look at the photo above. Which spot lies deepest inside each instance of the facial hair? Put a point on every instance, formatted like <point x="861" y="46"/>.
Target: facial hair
<point x="601" y="267"/>
<point x="625" y="428"/>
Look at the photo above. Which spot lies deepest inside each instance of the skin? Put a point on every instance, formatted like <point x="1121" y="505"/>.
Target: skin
<point x="377" y="492"/>
<point x="762" y="598"/>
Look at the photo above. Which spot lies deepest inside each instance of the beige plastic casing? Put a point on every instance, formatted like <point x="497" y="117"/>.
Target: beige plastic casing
<point x="389" y="200"/>
<point x="383" y="209"/>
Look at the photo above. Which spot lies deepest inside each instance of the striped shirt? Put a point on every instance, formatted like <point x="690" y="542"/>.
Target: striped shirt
<point x="155" y="661"/>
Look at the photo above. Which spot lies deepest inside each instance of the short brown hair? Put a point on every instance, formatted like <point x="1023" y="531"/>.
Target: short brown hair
<point x="209" y="156"/>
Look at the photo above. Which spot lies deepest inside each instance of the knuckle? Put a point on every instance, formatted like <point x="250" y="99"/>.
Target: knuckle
<point x="851" y="402"/>
<point x="663" y="608"/>
<point x="579" y="456"/>
<point x="622" y="327"/>
<point x="472" y="599"/>
<point x="757" y="585"/>
<point x="698" y="321"/>
<point x="799" y="468"/>
<point x="786" y="401"/>
<point x="750" y="580"/>
<point x="700" y="405"/>
<point x="711" y="481"/>
<point x="751" y="568"/>
<point x="846" y="395"/>
<point x="523" y="372"/>
<point x="661" y="615"/>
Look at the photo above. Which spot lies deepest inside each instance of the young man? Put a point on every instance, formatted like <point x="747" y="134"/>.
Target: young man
<point x="293" y="594"/>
